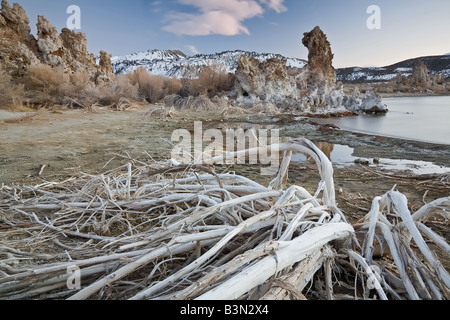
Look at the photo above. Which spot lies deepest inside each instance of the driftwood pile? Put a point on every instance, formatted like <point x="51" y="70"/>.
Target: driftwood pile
<point x="171" y="231"/>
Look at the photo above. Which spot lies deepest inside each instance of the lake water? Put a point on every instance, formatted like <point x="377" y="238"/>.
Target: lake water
<point x="342" y="156"/>
<point x="414" y="118"/>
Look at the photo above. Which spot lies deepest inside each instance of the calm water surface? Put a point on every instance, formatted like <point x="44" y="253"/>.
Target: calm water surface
<point x="414" y="118"/>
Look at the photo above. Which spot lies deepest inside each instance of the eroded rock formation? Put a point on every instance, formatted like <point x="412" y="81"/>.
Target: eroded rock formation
<point x="421" y="80"/>
<point x="312" y="89"/>
<point x="264" y="81"/>
<point x="15" y="19"/>
<point x="419" y="76"/>
<point x="19" y="48"/>
<point x="320" y="58"/>
<point x="105" y="63"/>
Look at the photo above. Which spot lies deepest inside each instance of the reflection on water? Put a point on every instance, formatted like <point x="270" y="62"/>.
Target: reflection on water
<point x="415" y="118"/>
<point x="342" y="156"/>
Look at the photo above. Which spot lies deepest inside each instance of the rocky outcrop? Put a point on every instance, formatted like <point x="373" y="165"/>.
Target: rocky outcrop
<point x="105" y="63"/>
<point x="320" y="58"/>
<point x="419" y="76"/>
<point x="19" y="48"/>
<point x="312" y="89"/>
<point x="15" y="19"/>
<point x="420" y="80"/>
<point x="264" y="81"/>
<point x="372" y="103"/>
<point x="49" y="43"/>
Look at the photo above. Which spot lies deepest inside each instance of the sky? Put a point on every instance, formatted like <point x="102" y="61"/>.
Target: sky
<point x="404" y="28"/>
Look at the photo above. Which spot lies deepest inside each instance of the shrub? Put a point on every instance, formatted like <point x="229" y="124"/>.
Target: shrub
<point x="212" y="79"/>
<point x="11" y="94"/>
<point x="151" y="87"/>
<point x="43" y="77"/>
<point x="112" y="92"/>
<point x="172" y="86"/>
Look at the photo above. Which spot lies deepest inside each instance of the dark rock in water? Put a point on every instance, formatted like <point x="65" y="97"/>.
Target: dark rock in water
<point x="362" y="162"/>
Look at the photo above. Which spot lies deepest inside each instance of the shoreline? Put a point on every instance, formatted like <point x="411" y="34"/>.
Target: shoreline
<point x="54" y="147"/>
<point x="412" y="95"/>
<point x="72" y="141"/>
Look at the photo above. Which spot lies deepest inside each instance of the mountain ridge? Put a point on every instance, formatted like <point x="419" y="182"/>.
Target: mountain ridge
<point x="176" y="63"/>
<point x="436" y="65"/>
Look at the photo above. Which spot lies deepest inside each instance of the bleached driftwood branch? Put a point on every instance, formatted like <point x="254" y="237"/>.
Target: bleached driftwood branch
<point x="171" y="231"/>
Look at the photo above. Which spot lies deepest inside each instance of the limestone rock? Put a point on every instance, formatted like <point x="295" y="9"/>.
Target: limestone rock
<point x="263" y="81"/>
<point x="15" y="18"/>
<point x="17" y="46"/>
<point x="372" y="103"/>
<point x="49" y="43"/>
<point x="2" y="21"/>
<point x="320" y="57"/>
<point x="105" y="63"/>
<point x="19" y="49"/>
<point x="419" y="75"/>
<point x="313" y="89"/>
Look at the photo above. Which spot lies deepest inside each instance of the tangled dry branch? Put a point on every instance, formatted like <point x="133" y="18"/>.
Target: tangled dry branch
<point x="165" y="231"/>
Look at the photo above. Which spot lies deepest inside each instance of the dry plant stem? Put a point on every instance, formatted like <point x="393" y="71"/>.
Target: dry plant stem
<point x="38" y="287"/>
<point x="300" y="276"/>
<point x="260" y="242"/>
<point x="290" y="253"/>
<point x="85" y="293"/>
<point x="430" y="234"/>
<point x="422" y="213"/>
<point x="280" y="180"/>
<point x="295" y="145"/>
<point x="131" y="267"/>
<point x="221" y="272"/>
<point x="205" y="257"/>
<point x="369" y="272"/>
<point x="401" y="208"/>
<point x="398" y="261"/>
<point x="207" y="212"/>
<point x="328" y="278"/>
<point x="66" y="232"/>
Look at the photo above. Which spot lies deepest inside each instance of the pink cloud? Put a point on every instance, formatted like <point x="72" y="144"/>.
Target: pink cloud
<point x="223" y="17"/>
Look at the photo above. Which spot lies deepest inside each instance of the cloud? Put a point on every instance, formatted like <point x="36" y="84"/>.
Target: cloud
<point x="193" y="49"/>
<point x="218" y="16"/>
<point x="277" y="5"/>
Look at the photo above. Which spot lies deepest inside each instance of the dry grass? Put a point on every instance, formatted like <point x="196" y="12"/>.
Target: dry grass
<point x="11" y="95"/>
<point x="212" y="80"/>
<point x="47" y="86"/>
<point x="153" y="87"/>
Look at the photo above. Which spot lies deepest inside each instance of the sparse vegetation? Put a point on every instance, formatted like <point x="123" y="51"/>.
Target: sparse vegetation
<point x="152" y="87"/>
<point x="11" y="95"/>
<point x="46" y="86"/>
<point x="212" y="80"/>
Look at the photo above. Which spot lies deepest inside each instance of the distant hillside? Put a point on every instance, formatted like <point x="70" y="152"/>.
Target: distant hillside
<point x="435" y="65"/>
<point x="175" y="63"/>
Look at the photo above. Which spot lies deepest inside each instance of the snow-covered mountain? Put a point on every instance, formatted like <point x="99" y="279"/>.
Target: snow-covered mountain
<point x="435" y="65"/>
<point x="175" y="63"/>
